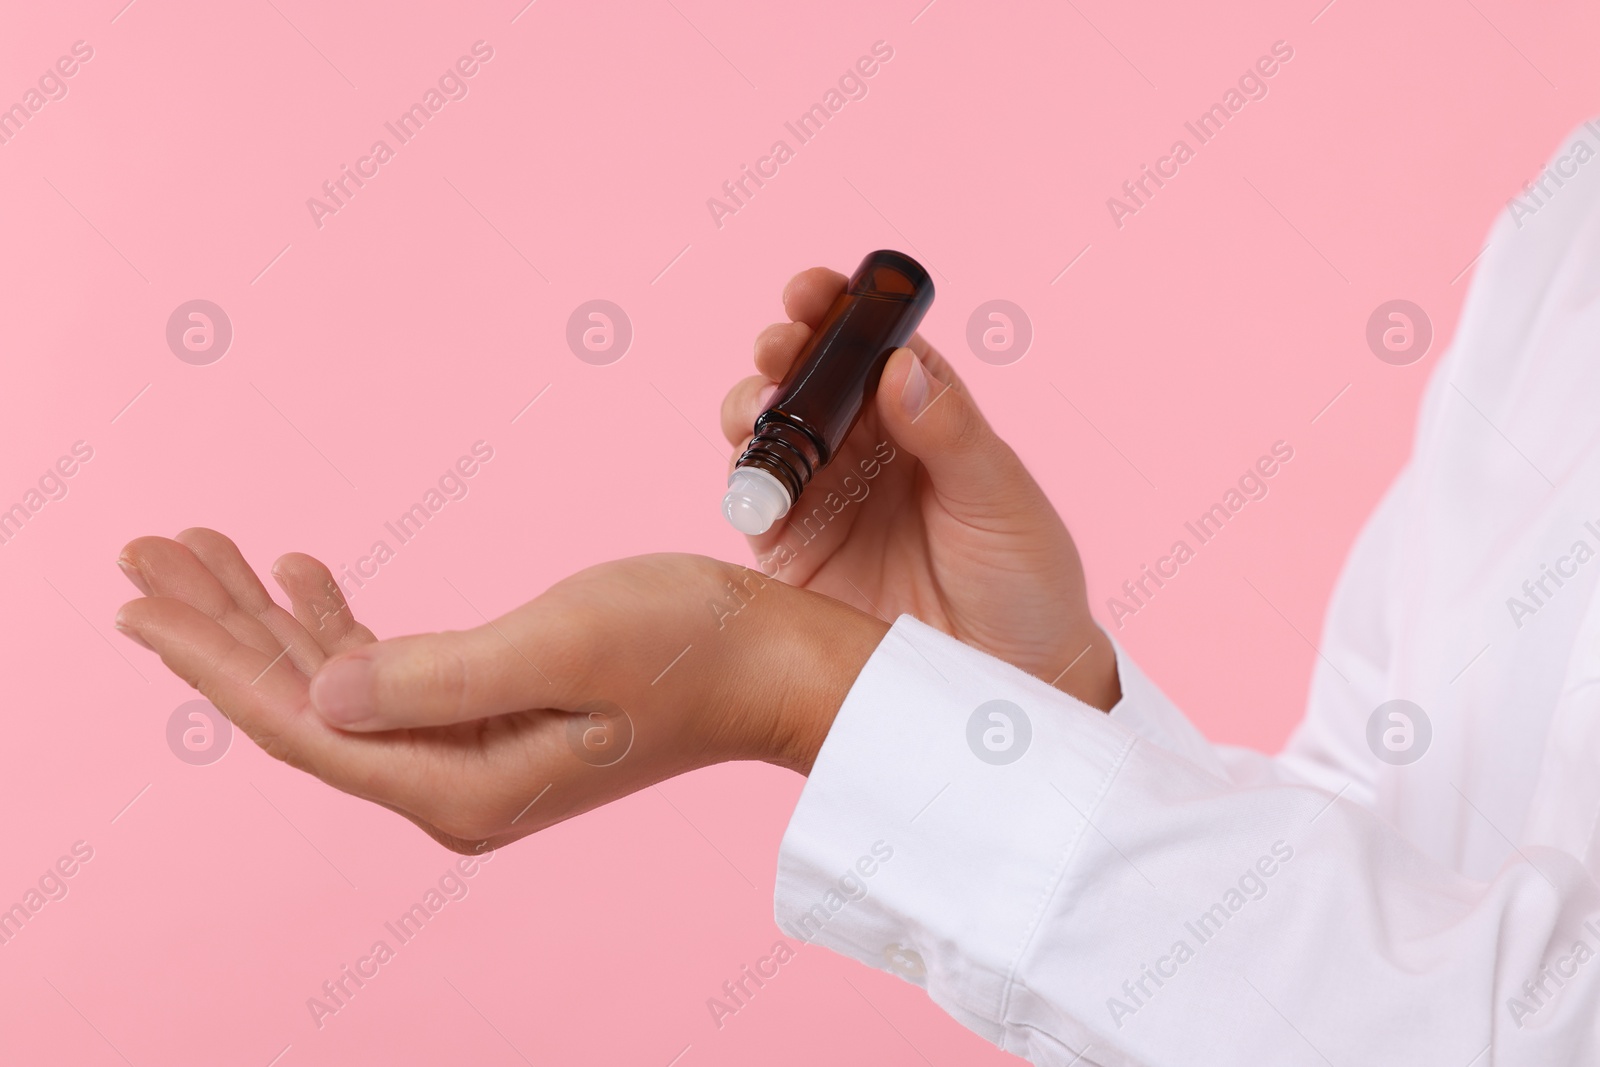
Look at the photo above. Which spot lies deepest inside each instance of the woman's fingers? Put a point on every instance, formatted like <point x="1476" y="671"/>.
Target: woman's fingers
<point x="223" y="559"/>
<point x="267" y="699"/>
<point x="410" y="682"/>
<point x="777" y="346"/>
<point x="170" y="569"/>
<point x="746" y="400"/>
<point x="809" y="294"/>
<point x="319" y="604"/>
<point x="807" y="298"/>
<point x="258" y="691"/>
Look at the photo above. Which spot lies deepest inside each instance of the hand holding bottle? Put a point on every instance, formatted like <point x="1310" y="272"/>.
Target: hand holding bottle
<point x="954" y="530"/>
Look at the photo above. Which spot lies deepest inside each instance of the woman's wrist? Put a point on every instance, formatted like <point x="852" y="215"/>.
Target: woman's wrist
<point x="804" y="652"/>
<point x="808" y="651"/>
<point x="1091" y="674"/>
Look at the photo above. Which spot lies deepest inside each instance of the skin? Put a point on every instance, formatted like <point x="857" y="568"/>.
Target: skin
<point x="954" y="530"/>
<point x="462" y="731"/>
<point x="484" y="736"/>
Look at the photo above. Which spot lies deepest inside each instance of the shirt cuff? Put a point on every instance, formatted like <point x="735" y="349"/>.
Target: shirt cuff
<point x="906" y="850"/>
<point x="1148" y="712"/>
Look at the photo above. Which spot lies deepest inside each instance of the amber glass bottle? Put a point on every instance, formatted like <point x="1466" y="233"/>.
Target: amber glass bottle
<point x="818" y="403"/>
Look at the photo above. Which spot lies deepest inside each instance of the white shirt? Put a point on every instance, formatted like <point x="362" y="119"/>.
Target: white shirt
<point x="1127" y="893"/>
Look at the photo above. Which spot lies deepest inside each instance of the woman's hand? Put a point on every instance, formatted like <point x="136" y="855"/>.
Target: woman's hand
<point x="952" y="528"/>
<point x="611" y="680"/>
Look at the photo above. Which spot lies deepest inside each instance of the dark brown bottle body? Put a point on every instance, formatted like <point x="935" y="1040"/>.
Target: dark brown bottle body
<point x="836" y="374"/>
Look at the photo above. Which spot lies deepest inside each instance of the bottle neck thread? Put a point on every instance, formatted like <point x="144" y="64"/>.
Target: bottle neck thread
<point x="785" y="451"/>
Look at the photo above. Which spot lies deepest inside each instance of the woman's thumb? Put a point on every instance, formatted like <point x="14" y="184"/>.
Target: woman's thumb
<point x="429" y="680"/>
<point x="972" y="470"/>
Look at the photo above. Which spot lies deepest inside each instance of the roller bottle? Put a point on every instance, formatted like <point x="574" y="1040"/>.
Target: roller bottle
<point x="832" y="380"/>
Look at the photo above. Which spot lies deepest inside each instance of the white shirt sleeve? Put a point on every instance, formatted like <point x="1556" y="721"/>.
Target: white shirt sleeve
<point x="1088" y="888"/>
<point x="1096" y="889"/>
<point x="1328" y="749"/>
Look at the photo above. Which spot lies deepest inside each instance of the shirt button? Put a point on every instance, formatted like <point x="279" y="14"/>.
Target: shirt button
<point x="905" y="962"/>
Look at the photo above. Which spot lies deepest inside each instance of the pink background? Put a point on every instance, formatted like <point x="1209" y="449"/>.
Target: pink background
<point x="426" y="314"/>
